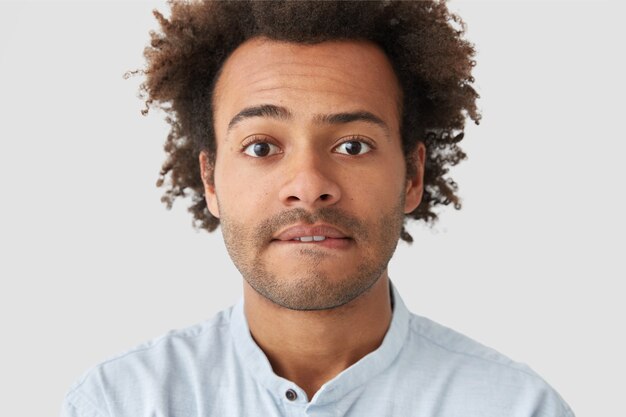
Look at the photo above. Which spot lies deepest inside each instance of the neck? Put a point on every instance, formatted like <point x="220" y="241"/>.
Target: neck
<point x="311" y="347"/>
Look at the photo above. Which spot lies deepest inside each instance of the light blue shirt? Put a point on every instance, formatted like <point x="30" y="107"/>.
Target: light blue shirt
<point x="421" y="369"/>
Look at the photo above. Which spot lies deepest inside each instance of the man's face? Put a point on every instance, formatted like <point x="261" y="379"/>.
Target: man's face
<point x="309" y="178"/>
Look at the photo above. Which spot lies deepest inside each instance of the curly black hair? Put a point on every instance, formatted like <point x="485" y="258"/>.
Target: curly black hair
<point x="423" y="40"/>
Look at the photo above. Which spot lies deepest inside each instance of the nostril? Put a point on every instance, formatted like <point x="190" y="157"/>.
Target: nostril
<point x="324" y="197"/>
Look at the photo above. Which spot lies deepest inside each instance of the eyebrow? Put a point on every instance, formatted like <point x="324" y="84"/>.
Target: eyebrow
<point x="282" y="113"/>
<point x="263" y="110"/>
<point x="347" y="117"/>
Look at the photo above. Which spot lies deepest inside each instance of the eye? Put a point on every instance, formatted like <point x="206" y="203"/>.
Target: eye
<point x="260" y="149"/>
<point x="354" y="147"/>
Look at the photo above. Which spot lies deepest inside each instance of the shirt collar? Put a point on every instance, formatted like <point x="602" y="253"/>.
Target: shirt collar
<point x="255" y="361"/>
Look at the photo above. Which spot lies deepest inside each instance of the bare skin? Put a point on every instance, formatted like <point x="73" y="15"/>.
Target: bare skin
<point x="314" y="307"/>
<point x="310" y="348"/>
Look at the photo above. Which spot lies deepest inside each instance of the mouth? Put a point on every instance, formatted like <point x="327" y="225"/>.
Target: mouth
<point x="315" y="242"/>
<point x="320" y="235"/>
<point x="307" y="239"/>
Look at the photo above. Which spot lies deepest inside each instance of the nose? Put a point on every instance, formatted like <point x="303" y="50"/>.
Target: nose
<point x="309" y="182"/>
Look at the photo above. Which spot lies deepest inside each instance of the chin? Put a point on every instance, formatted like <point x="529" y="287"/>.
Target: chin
<point x="316" y="289"/>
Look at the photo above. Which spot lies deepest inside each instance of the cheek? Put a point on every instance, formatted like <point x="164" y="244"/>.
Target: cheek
<point x="242" y="194"/>
<point x="379" y="186"/>
<point x="376" y="199"/>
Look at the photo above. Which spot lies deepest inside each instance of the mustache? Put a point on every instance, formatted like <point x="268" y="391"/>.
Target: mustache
<point x="333" y="216"/>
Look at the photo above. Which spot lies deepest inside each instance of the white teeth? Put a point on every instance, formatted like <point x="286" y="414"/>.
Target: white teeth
<point x="310" y="238"/>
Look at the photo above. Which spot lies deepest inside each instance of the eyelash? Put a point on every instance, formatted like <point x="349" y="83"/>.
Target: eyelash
<point x="264" y="139"/>
<point x="255" y="139"/>
<point x="356" y="138"/>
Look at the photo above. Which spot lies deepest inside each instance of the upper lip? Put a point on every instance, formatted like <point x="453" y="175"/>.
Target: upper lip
<point x="310" y="230"/>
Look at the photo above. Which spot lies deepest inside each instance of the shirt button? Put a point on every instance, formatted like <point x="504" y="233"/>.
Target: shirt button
<point x="291" y="395"/>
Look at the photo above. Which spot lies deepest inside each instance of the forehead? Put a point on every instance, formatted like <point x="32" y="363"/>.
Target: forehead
<point x="307" y="79"/>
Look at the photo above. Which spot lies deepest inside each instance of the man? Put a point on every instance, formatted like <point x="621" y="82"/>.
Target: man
<point x="310" y="131"/>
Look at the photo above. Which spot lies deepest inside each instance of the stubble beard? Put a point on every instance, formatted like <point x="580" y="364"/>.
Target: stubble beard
<point x="314" y="288"/>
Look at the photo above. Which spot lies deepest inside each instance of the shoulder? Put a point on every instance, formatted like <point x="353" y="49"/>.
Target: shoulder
<point x="467" y="367"/>
<point x="142" y="374"/>
<point x="444" y="340"/>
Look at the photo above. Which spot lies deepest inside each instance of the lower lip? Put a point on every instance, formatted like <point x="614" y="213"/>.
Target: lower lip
<point x="329" y="243"/>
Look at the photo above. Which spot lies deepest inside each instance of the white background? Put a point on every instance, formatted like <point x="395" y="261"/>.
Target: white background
<point x="92" y="263"/>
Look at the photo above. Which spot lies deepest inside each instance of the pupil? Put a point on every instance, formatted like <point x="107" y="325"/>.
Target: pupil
<point x="261" y="149"/>
<point x="353" y="148"/>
